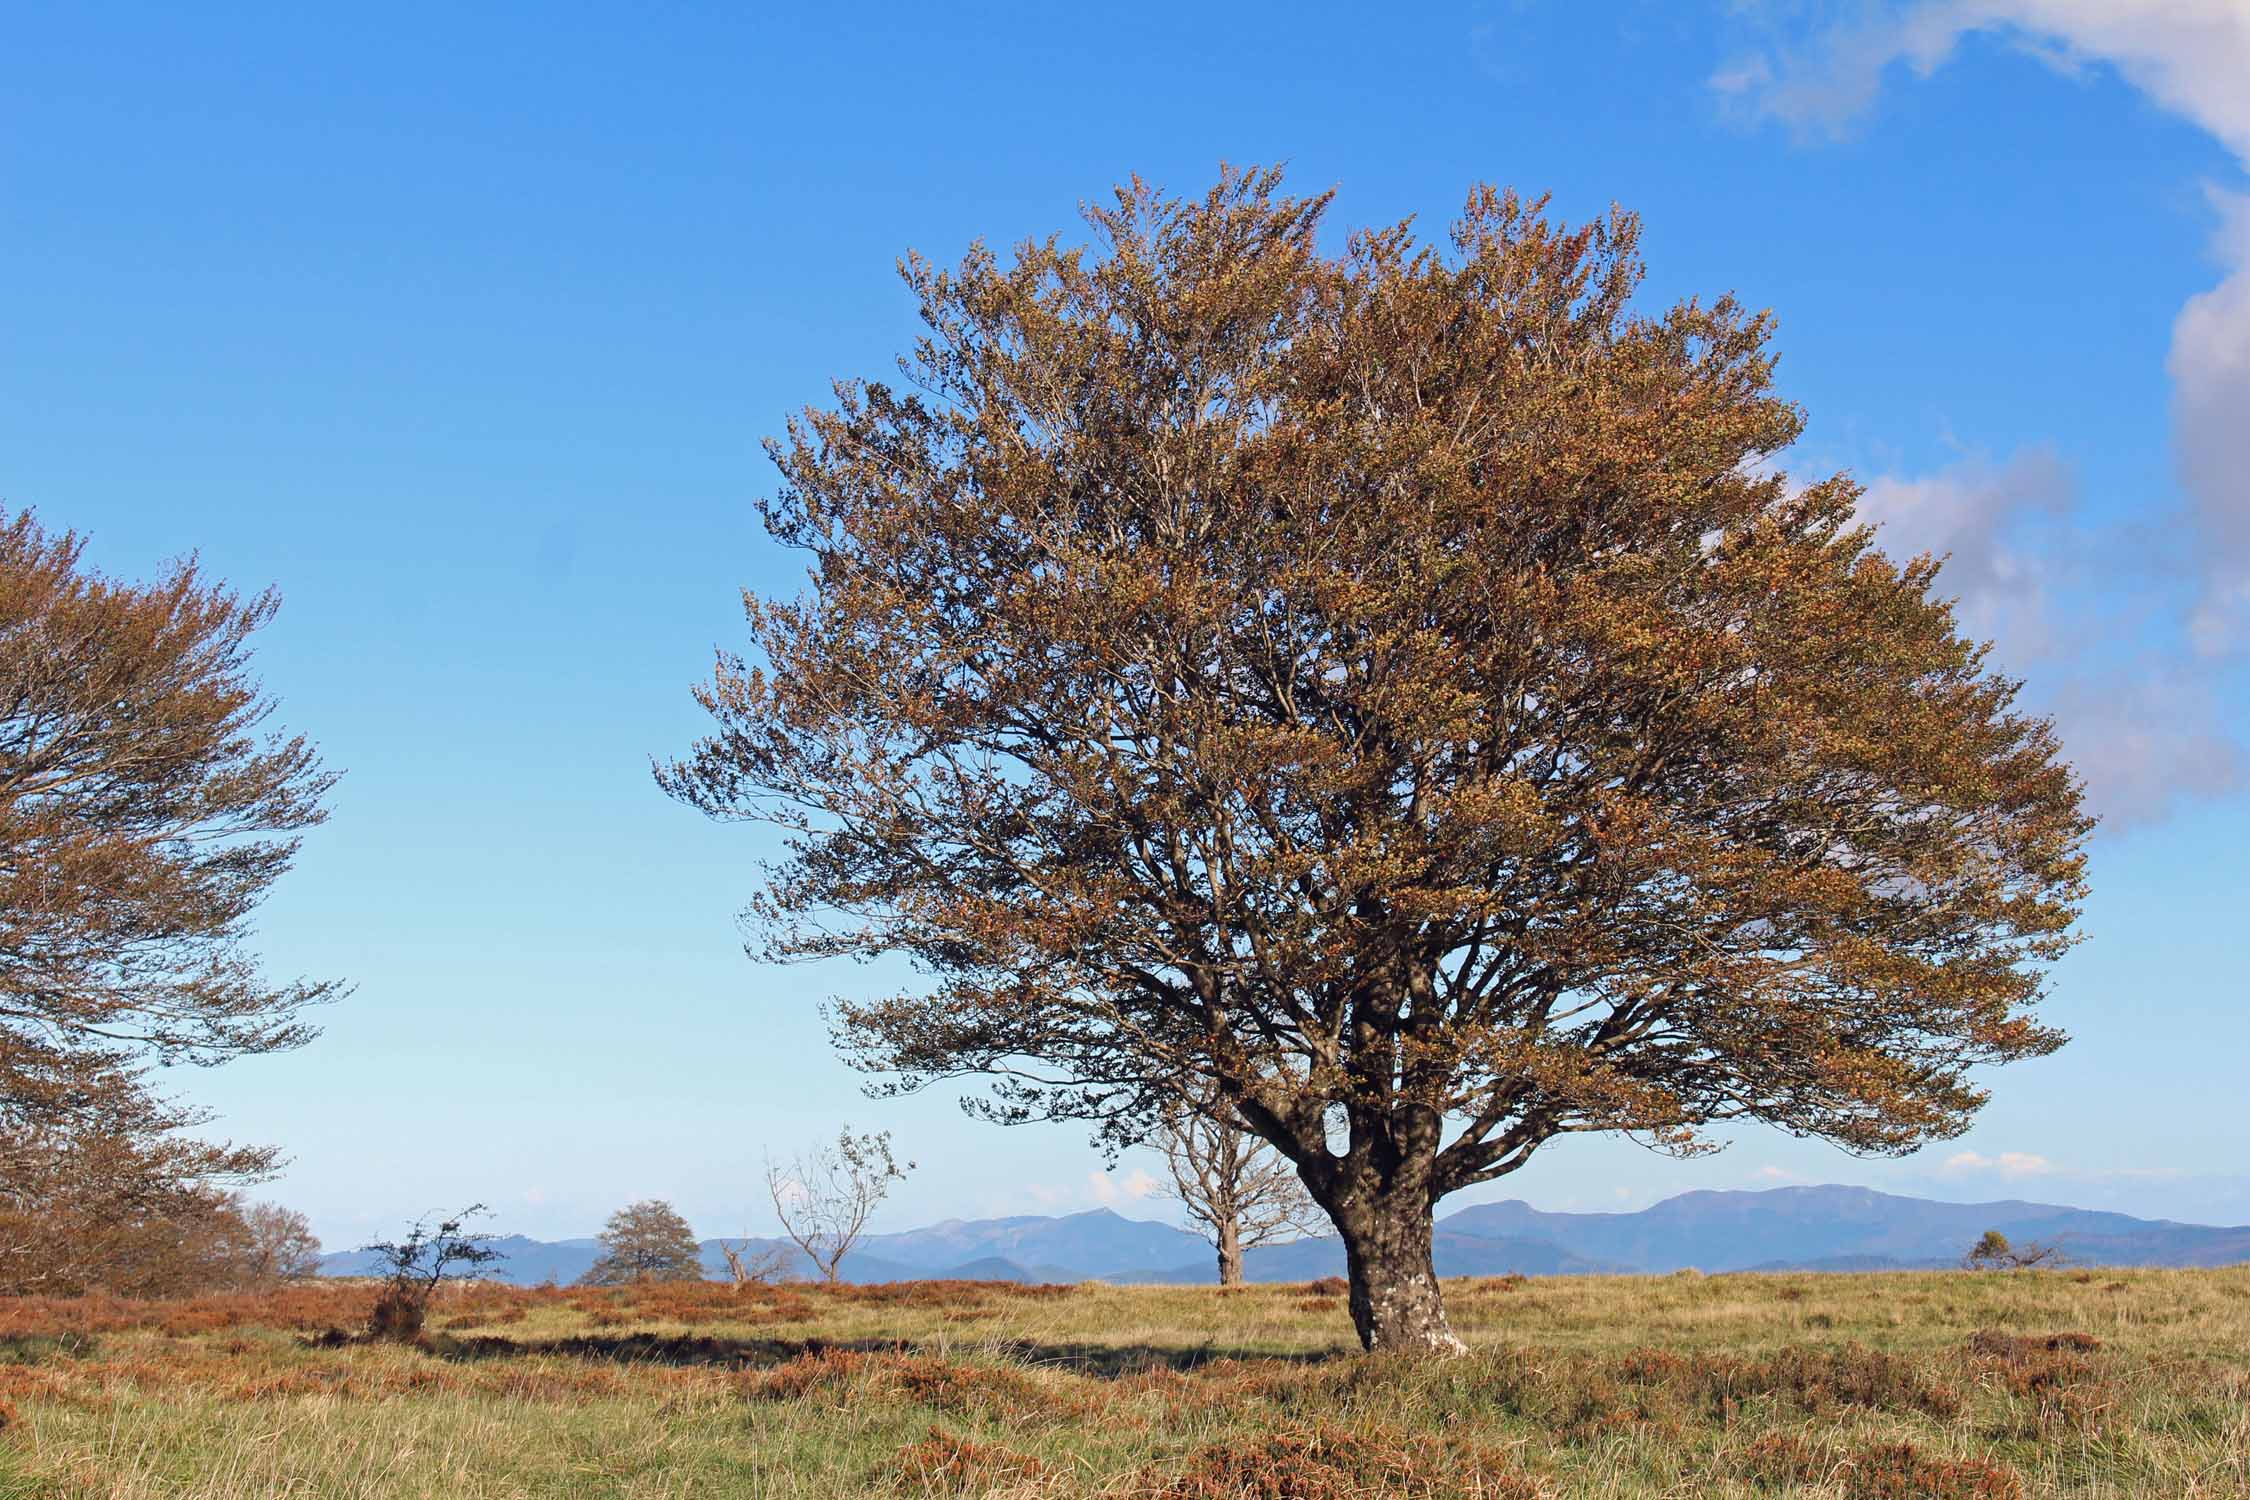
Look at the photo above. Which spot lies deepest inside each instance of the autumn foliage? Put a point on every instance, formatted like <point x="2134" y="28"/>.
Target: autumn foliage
<point x="144" y="812"/>
<point x="1397" y="687"/>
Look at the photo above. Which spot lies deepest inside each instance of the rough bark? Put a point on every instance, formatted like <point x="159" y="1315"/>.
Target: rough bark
<point x="1395" y="1301"/>
<point x="1230" y="1253"/>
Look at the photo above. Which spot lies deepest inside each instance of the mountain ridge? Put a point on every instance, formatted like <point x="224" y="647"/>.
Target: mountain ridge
<point x="1823" y="1228"/>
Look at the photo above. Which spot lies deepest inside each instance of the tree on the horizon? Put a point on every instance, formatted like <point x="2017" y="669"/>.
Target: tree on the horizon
<point x="1397" y="686"/>
<point x="145" y="812"/>
<point x="646" y="1241"/>
<point x="825" y="1196"/>
<point x="1237" y="1191"/>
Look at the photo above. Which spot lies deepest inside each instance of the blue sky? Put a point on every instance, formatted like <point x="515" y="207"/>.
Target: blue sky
<point x="462" y="325"/>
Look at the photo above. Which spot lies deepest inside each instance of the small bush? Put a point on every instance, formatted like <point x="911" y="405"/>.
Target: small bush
<point x="944" y="1464"/>
<point x="1900" y="1471"/>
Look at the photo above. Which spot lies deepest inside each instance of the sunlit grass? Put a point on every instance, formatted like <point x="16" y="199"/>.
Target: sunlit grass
<point x="1848" y="1387"/>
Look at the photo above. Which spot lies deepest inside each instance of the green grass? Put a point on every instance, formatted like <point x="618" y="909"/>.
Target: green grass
<point x="1685" y="1386"/>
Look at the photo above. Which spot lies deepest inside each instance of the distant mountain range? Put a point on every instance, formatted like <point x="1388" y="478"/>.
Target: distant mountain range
<point x="1781" y="1229"/>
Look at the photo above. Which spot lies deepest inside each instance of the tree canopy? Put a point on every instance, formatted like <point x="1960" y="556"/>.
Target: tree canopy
<point x="1399" y="686"/>
<point x="646" y="1241"/>
<point x="144" y="813"/>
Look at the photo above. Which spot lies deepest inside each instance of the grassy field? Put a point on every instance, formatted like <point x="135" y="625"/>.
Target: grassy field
<point x="1884" y="1387"/>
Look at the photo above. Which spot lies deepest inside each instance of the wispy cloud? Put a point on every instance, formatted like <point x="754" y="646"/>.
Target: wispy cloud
<point x="1109" y="1190"/>
<point x="2151" y="736"/>
<point x="2006" y="1164"/>
<point x="2023" y="565"/>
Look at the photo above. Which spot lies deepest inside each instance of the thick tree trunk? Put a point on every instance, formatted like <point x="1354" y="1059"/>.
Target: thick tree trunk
<point x="1396" y="1304"/>
<point x="1230" y="1253"/>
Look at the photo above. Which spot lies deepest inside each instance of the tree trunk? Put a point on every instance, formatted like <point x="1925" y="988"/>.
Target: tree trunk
<point x="1230" y="1252"/>
<point x="1396" y="1304"/>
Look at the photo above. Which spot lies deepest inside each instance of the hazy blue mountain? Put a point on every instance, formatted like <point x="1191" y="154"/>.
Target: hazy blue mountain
<point x="1455" y="1254"/>
<point x="528" y="1262"/>
<point x="1098" y="1242"/>
<point x="1796" y="1228"/>
<point x="1801" y="1226"/>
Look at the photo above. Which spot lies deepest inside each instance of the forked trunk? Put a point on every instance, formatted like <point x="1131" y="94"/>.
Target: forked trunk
<point x="1396" y="1304"/>
<point x="1230" y="1253"/>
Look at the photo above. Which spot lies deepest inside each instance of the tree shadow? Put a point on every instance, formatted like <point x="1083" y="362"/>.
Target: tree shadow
<point x="1095" y="1361"/>
<point x="1121" y="1361"/>
<point x="658" y="1349"/>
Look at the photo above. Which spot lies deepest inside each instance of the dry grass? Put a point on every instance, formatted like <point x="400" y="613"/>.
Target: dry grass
<point x="1956" y="1386"/>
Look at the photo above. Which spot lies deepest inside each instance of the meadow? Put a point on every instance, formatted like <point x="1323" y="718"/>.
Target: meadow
<point x="1961" y="1386"/>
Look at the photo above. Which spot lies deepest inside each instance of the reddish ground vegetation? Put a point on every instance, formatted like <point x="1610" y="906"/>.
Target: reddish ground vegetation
<point x="1814" y="1379"/>
<point x="1900" y="1471"/>
<point x="1327" y="1463"/>
<point x="1781" y="1460"/>
<point x="961" y="1390"/>
<point x="942" y="1464"/>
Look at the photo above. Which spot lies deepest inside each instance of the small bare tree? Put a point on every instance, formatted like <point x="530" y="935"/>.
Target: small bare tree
<point x="826" y="1196"/>
<point x="754" y="1266"/>
<point x="1238" y="1191"/>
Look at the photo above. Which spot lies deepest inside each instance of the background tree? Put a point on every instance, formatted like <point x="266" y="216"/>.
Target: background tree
<point x="415" y="1265"/>
<point x="826" y="1195"/>
<point x="646" y="1241"/>
<point x="279" y="1244"/>
<point x="143" y="815"/>
<point x="1235" y="1188"/>
<point x="1397" y="686"/>
<point x="1992" y="1252"/>
<point x="754" y="1266"/>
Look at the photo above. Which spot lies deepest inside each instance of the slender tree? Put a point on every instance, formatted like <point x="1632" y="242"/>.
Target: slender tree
<point x="646" y="1241"/>
<point x="1397" y="686"/>
<point x="826" y="1195"/>
<point x="1238" y="1190"/>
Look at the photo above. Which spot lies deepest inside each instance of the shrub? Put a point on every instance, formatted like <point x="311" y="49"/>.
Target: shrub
<point x="945" y="1464"/>
<point x="414" y="1266"/>
<point x="1900" y="1471"/>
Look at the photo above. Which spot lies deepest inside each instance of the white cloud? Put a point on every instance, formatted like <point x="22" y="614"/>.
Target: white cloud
<point x="1983" y="521"/>
<point x="2190" y="56"/>
<point x="2144" y="731"/>
<point x="2210" y="369"/>
<point x="1111" y="1191"/>
<point x="2006" y="1164"/>
<point x="2150" y="735"/>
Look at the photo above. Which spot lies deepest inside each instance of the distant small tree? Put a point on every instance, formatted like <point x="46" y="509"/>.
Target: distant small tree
<point x="826" y="1196"/>
<point x="413" y="1266"/>
<point x="754" y="1266"/>
<point x="646" y="1241"/>
<point x="1992" y="1252"/>
<point x="1237" y="1190"/>
<point x="279" y="1245"/>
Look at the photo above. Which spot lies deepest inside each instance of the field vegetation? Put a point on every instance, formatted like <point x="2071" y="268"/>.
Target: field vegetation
<point x="1963" y="1386"/>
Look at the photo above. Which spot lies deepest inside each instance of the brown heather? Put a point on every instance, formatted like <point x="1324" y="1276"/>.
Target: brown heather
<point x="1393" y="692"/>
<point x="1948" y="1385"/>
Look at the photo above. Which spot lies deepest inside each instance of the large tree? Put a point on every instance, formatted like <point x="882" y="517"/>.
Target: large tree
<point x="144" y="812"/>
<point x="1397" y="686"/>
